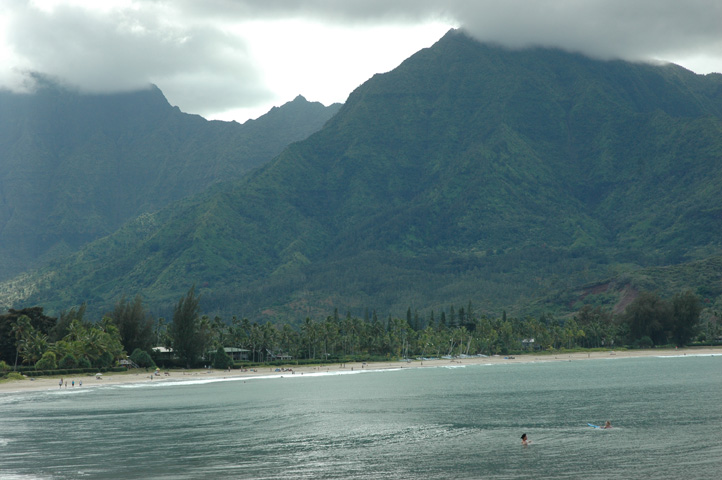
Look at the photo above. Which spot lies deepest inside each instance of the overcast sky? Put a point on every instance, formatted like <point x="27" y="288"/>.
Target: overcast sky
<point x="235" y="59"/>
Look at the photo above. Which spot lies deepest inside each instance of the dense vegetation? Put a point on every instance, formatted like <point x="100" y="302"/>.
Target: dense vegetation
<point x="648" y="321"/>
<point x="69" y="344"/>
<point x="75" y="167"/>
<point x="521" y="180"/>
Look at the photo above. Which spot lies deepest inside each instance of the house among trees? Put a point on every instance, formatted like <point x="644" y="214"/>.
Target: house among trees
<point x="163" y="353"/>
<point x="237" y="354"/>
<point x="277" y="356"/>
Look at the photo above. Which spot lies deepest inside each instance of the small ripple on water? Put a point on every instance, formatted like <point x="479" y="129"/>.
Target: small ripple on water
<point x="431" y="424"/>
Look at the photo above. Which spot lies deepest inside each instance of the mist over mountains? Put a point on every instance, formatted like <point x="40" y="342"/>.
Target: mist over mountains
<point x="75" y="167"/>
<point x="506" y="178"/>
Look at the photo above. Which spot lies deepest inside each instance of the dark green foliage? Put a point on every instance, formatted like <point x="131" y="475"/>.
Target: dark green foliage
<point x="649" y="316"/>
<point x="686" y="309"/>
<point x="83" y="362"/>
<point x="221" y="360"/>
<point x="597" y="325"/>
<point x="48" y="362"/>
<point x="470" y="172"/>
<point x="68" y="361"/>
<point x="75" y="167"/>
<point x="142" y="358"/>
<point x="66" y="318"/>
<point x="38" y="320"/>
<point x="134" y="324"/>
<point x="185" y="331"/>
<point x="105" y="360"/>
<point x="661" y="320"/>
<point x="644" y="342"/>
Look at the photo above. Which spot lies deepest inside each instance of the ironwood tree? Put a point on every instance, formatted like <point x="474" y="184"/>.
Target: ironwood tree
<point x="186" y="335"/>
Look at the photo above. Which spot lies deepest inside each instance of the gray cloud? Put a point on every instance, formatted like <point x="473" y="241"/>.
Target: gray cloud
<point x="635" y="30"/>
<point x="184" y="46"/>
<point x="128" y="49"/>
<point x="628" y="29"/>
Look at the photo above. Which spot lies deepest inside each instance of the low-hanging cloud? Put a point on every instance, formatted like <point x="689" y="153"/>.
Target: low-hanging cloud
<point x="194" y="52"/>
<point x="620" y="29"/>
<point x="128" y="49"/>
<point x="623" y="29"/>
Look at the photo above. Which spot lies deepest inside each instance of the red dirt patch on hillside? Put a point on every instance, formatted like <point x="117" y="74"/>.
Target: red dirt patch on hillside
<point x="626" y="297"/>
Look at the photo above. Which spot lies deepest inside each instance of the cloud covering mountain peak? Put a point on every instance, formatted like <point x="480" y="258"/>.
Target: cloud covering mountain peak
<point x="220" y="55"/>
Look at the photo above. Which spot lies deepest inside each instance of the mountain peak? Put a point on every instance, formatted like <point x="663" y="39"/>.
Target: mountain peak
<point x="469" y="173"/>
<point x="97" y="160"/>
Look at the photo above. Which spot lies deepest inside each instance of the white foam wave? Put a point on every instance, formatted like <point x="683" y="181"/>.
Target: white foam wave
<point x="204" y="381"/>
<point x="5" y="475"/>
<point x="685" y="355"/>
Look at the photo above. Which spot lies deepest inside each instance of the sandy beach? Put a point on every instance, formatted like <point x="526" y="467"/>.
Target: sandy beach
<point x="91" y="381"/>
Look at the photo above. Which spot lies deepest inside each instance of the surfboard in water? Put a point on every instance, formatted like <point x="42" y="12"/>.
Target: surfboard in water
<point x="593" y="426"/>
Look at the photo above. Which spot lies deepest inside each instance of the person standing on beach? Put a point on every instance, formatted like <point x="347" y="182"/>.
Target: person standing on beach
<point x="60" y="385"/>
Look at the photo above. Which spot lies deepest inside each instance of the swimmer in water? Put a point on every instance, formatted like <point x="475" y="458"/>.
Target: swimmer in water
<point x="524" y="440"/>
<point x="608" y="424"/>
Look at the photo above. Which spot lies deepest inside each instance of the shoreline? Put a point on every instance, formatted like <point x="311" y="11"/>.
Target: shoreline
<point x="91" y="381"/>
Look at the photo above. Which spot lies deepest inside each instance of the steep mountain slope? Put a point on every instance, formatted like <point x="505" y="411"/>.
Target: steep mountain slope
<point x="75" y="167"/>
<point x="469" y="173"/>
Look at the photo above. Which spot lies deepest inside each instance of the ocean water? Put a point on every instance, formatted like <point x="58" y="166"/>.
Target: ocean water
<point x="423" y="423"/>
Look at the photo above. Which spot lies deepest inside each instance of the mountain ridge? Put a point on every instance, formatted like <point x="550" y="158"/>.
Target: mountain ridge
<point x="468" y="173"/>
<point x="76" y="166"/>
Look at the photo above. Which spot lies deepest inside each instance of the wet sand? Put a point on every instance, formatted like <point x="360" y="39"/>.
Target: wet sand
<point x="91" y="381"/>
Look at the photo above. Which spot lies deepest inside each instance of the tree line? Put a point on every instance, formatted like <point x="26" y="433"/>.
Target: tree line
<point x="31" y="338"/>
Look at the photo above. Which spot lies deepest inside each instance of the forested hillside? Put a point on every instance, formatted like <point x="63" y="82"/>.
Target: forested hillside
<point x="75" y="167"/>
<point x="470" y="173"/>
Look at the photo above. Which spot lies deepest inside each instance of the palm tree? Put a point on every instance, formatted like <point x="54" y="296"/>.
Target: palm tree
<point x="288" y="340"/>
<point x="94" y="344"/>
<point x="255" y="338"/>
<point x="76" y="331"/>
<point x="21" y="330"/>
<point x="219" y="330"/>
<point x="34" y="346"/>
<point x="308" y="331"/>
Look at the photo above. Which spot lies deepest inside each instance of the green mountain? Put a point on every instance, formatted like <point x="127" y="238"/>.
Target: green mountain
<point x="74" y="168"/>
<point x="470" y="173"/>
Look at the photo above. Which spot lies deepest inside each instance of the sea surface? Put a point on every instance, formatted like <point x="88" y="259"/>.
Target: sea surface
<point x="421" y="423"/>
